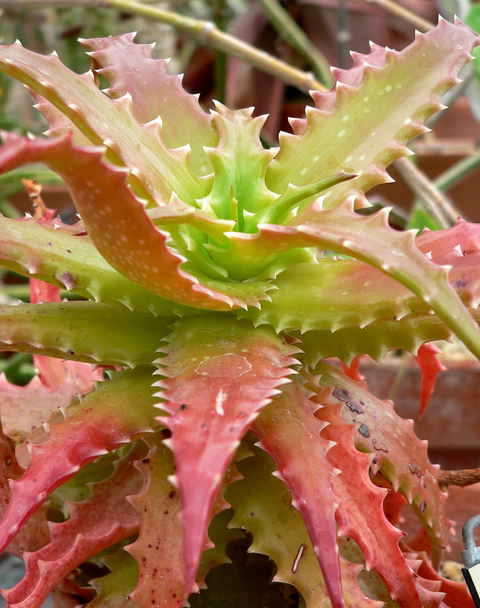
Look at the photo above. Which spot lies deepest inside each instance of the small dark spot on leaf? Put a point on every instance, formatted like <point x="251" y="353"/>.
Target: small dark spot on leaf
<point x="174" y="595"/>
<point x="150" y="545"/>
<point x="144" y="559"/>
<point x="204" y="426"/>
<point x="165" y="512"/>
<point x="363" y="430"/>
<point x="422" y="506"/>
<point x="9" y="461"/>
<point x="34" y="480"/>
<point x="379" y="446"/>
<point x="69" y="251"/>
<point x="172" y="494"/>
<point x="461" y="283"/>
<point x="183" y="406"/>
<point x="343" y="395"/>
<point x="70" y="352"/>
<point x="49" y="244"/>
<point x="414" y="469"/>
<point x="146" y="460"/>
<point x="166" y="433"/>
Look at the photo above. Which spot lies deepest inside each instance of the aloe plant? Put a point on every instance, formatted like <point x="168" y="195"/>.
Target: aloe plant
<point x="213" y="309"/>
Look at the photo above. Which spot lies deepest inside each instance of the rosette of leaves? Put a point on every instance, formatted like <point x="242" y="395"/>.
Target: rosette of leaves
<point x="208" y="296"/>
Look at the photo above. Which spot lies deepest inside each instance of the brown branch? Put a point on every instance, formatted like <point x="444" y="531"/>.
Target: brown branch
<point x="463" y="478"/>
<point x="399" y="11"/>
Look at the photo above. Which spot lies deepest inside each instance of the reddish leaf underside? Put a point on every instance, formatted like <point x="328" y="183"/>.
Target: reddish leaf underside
<point x="106" y="418"/>
<point x="291" y="434"/>
<point x="360" y="513"/>
<point x="94" y="525"/>
<point x="219" y="373"/>
<point x="400" y="456"/>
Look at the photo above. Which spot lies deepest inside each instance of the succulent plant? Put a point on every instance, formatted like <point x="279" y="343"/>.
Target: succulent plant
<point x="213" y="302"/>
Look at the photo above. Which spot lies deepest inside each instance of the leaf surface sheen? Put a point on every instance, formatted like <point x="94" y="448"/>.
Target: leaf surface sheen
<point x="399" y="455"/>
<point x="262" y="505"/>
<point x="130" y="68"/>
<point x="392" y="252"/>
<point x="105" y="419"/>
<point x="291" y="434"/>
<point x="338" y="132"/>
<point x="49" y="250"/>
<point x="360" y="513"/>
<point x="94" y="525"/>
<point x="122" y="231"/>
<point x="219" y="373"/>
<point x="82" y="331"/>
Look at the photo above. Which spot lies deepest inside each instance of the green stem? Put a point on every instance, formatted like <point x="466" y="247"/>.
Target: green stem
<point x="290" y="31"/>
<point x="219" y="14"/>
<point x="434" y="202"/>
<point x="204" y="31"/>
<point x="457" y="172"/>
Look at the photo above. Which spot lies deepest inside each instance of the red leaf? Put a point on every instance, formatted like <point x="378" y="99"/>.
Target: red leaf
<point x="219" y="374"/>
<point x="430" y="367"/>
<point x="360" y="513"/>
<point x="94" y="525"/>
<point x="106" y="419"/>
<point x="290" y="433"/>
<point x="353" y="371"/>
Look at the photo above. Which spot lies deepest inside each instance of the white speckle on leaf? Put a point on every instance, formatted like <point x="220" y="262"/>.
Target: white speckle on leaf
<point x="219" y="401"/>
<point x="341" y="133"/>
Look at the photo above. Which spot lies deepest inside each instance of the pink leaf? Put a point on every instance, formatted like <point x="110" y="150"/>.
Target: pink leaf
<point x="34" y="533"/>
<point x="219" y="374"/>
<point x="130" y="68"/>
<point x="360" y="513"/>
<point x="399" y="454"/>
<point x="159" y="549"/>
<point x="104" y="420"/>
<point x="290" y="433"/>
<point x="94" y="525"/>
<point x="430" y="367"/>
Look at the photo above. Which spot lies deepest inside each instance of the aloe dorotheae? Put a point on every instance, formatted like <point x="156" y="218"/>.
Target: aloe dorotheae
<point x="207" y="297"/>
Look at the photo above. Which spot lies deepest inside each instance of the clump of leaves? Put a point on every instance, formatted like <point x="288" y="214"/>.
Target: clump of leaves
<point x="200" y="253"/>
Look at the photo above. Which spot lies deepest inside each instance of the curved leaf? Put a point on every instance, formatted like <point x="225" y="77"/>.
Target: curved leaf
<point x="392" y="252"/>
<point x="360" y="513"/>
<point x="129" y="68"/>
<point x="49" y="250"/>
<point x="338" y="134"/>
<point x="262" y="504"/>
<point x="109" y="417"/>
<point x="160" y="169"/>
<point x="399" y="455"/>
<point x="94" y="525"/>
<point x="219" y="373"/>
<point x="122" y="232"/>
<point x="291" y="434"/>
